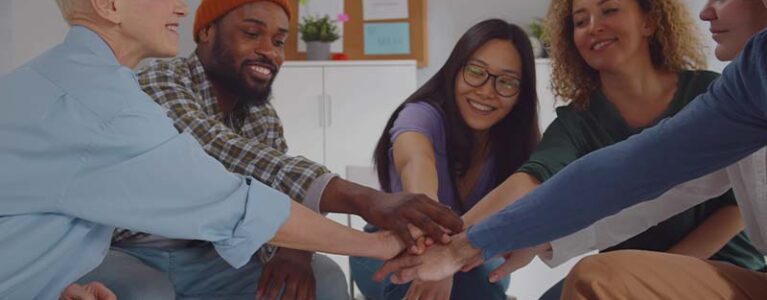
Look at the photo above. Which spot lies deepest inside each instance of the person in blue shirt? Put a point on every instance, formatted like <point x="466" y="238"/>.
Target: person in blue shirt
<point x="726" y="125"/>
<point x="85" y="150"/>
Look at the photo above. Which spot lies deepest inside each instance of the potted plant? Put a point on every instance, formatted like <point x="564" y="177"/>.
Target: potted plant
<point x="318" y="33"/>
<point x="538" y="38"/>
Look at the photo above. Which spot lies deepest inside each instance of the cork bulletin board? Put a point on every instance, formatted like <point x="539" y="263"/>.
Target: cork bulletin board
<point x="354" y="33"/>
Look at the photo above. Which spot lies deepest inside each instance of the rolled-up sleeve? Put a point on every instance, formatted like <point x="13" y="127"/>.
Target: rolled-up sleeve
<point x="149" y="178"/>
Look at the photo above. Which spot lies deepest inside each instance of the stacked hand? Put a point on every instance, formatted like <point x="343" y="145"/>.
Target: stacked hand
<point x="400" y="212"/>
<point x="439" y="262"/>
<point x="442" y="261"/>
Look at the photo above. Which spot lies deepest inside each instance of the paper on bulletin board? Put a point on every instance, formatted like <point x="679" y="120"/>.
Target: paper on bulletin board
<point x="384" y="9"/>
<point x="332" y="8"/>
<point x="387" y="38"/>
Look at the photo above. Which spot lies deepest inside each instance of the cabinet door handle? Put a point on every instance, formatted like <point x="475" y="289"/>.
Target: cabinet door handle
<point x="321" y="109"/>
<point x="329" y="110"/>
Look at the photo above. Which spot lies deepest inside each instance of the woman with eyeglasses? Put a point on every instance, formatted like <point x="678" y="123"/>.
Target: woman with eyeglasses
<point x="455" y="139"/>
<point x="624" y="65"/>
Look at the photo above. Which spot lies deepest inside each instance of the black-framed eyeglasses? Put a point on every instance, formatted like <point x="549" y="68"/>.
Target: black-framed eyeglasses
<point x="477" y="76"/>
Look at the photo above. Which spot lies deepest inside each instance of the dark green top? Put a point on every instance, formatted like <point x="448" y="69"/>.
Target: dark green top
<point x="576" y="133"/>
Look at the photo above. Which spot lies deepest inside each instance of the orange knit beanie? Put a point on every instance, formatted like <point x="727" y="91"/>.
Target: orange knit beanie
<point x="211" y="10"/>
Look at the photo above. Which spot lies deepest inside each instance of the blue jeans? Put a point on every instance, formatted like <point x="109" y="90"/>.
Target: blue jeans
<point x="466" y="285"/>
<point x="197" y="273"/>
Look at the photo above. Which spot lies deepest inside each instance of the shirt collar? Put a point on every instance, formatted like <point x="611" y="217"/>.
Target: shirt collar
<point x="85" y="37"/>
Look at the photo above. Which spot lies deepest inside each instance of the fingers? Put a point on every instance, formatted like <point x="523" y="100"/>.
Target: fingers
<point x="413" y="293"/>
<point x="291" y="289"/>
<point x="404" y="276"/>
<point x="507" y="267"/>
<point x="475" y="262"/>
<point x="100" y="291"/>
<point x="443" y="216"/>
<point x="403" y="234"/>
<point x="394" y="265"/>
<point x="307" y="289"/>
<point x="430" y="227"/>
<point x="263" y="282"/>
<point x="76" y="292"/>
<point x="273" y="288"/>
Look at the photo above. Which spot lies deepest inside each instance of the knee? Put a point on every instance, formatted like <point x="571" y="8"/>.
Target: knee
<point x="596" y="276"/>
<point x="330" y="280"/>
<point x="143" y="290"/>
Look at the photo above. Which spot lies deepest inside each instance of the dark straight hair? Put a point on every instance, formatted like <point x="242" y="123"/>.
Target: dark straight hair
<point x="512" y="139"/>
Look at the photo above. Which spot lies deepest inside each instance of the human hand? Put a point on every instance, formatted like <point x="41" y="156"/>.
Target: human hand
<point x="291" y="269"/>
<point x="430" y="290"/>
<point x="89" y="291"/>
<point x="439" y="262"/>
<point x="395" y="212"/>
<point x="515" y="260"/>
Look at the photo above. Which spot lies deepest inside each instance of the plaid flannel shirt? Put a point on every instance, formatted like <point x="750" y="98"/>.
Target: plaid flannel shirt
<point x="256" y="148"/>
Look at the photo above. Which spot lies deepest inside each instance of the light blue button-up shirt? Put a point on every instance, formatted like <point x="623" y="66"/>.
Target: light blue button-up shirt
<point x="83" y="149"/>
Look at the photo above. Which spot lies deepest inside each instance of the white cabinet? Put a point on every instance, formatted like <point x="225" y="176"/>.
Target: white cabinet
<point x="334" y="112"/>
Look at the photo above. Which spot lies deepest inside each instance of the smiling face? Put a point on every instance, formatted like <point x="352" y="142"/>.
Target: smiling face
<point x="610" y="33"/>
<point x="247" y="48"/>
<point x="480" y="104"/>
<point x="152" y="24"/>
<point x="732" y="23"/>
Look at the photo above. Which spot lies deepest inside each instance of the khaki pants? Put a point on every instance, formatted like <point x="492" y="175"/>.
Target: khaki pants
<point x="632" y="274"/>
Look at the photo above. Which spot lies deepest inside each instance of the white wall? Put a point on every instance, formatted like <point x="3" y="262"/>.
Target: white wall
<point x="35" y="27"/>
<point x="449" y="19"/>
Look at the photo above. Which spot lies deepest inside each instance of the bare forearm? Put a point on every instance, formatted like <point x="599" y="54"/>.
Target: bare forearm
<point x="305" y="230"/>
<point x="516" y="186"/>
<point x="711" y="235"/>
<point x="420" y="177"/>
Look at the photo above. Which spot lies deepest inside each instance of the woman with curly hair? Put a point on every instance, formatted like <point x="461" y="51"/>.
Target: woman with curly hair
<point x="623" y="65"/>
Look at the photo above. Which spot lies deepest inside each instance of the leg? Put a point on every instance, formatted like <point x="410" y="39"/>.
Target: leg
<point x="329" y="278"/>
<point x="129" y="278"/>
<point x="475" y="285"/>
<point x="633" y="274"/>
<point x="200" y="273"/>
<point x="362" y="269"/>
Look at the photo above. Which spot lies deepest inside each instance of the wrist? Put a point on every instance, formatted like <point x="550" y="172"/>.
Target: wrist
<point x="342" y="196"/>
<point x="385" y="245"/>
<point x="297" y="255"/>
<point x="463" y="250"/>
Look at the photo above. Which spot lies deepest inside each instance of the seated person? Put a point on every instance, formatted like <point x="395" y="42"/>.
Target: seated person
<point x="456" y="138"/>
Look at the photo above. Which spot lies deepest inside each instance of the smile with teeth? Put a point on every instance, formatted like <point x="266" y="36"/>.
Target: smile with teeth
<point x="261" y="70"/>
<point x="172" y="27"/>
<point x="481" y="107"/>
<point x="601" y="45"/>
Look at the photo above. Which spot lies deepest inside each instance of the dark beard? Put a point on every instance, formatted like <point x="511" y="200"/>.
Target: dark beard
<point x="225" y="74"/>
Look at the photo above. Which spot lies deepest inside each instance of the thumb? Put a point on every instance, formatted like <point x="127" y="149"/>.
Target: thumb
<point x="510" y="265"/>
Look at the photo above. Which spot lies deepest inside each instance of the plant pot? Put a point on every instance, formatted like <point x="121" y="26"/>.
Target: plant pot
<point x="317" y="50"/>
<point x="538" y="48"/>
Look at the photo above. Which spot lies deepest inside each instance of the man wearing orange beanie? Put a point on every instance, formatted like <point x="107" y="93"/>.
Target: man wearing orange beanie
<point x="221" y="95"/>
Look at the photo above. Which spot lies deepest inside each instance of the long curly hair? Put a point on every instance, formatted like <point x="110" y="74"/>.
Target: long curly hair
<point x="675" y="46"/>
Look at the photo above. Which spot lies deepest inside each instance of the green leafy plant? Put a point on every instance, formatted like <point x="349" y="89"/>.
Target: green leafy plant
<point x="314" y="28"/>
<point x="537" y="30"/>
